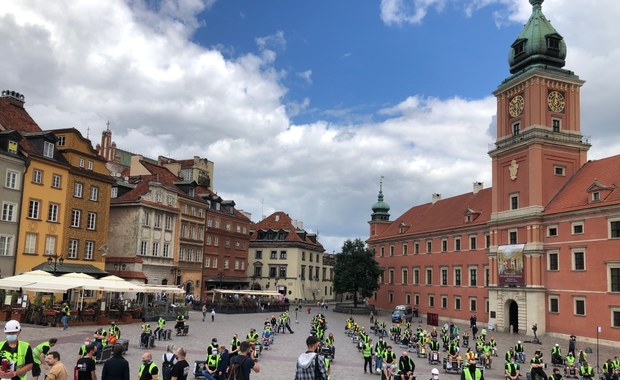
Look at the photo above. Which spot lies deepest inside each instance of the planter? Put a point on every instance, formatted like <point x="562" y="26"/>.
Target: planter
<point x="5" y="315"/>
<point x="127" y="318"/>
<point x="17" y="315"/>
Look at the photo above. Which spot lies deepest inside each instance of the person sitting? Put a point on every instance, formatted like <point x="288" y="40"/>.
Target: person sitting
<point x="210" y="371"/>
<point x="586" y="372"/>
<point x="114" y="329"/>
<point x="180" y="324"/>
<point x="406" y="366"/>
<point x="510" y="354"/>
<point x="570" y="362"/>
<point x="100" y="340"/>
<point x="453" y="356"/>
<point x="145" y="334"/>
<point x="486" y="354"/>
<point x="389" y="362"/>
<point x="556" y="354"/>
<point x="161" y="325"/>
<point x="512" y="369"/>
<point x="537" y="365"/>
<point x="520" y="352"/>
<point x="556" y="374"/>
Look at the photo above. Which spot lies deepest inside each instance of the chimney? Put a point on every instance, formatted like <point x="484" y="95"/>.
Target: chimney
<point x="478" y="186"/>
<point x="15" y="98"/>
<point x="436" y="197"/>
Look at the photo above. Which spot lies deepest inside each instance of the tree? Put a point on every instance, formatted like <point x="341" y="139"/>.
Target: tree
<point x="356" y="270"/>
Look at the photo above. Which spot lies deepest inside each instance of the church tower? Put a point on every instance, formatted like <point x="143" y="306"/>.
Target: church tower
<point x="380" y="218"/>
<point x="539" y="146"/>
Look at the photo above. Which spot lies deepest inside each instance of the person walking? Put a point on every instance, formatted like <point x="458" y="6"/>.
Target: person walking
<point x="213" y="315"/>
<point x="148" y="369"/>
<point x="204" y="312"/>
<point x="57" y="371"/>
<point x="15" y="348"/>
<point x="66" y="313"/>
<point x="180" y="370"/>
<point x="309" y="363"/>
<point x="86" y="366"/>
<point x="243" y="364"/>
<point x="117" y="367"/>
<point x="38" y="355"/>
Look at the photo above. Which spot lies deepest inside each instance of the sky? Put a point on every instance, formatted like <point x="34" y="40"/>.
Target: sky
<point x="303" y="105"/>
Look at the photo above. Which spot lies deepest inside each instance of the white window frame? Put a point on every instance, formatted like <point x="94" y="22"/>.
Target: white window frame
<point x="404" y="276"/>
<point x="76" y="216"/>
<point x="585" y="261"/>
<point x="516" y="232"/>
<point x="155" y="249"/>
<point x="609" y="266"/>
<point x="89" y="250"/>
<point x="431" y="300"/>
<point x="72" y="248"/>
<point x="460" y="270"/>
<point x="459" y="301"/>
<point x="557" y="299"/>
<point x="573" y="225"/>
<point x="78" y="190"/>
<point x="30" y="243"/>
<point x="458" y="244"/>
<point x="552" y="228"/>
<point x="53" y="211"/>
<point x="405" y="248"/>
<point x="50" y="245"/>
<point x="585" y="306"/>
<point x="444" y="302"/>
<point x="89" y="165"/>
<point x="37" y="176"/>
<point x="443" y="270"/>
<point x="609" y="222"/>
<point x="92" y="221"/>
<point x="166" y="250"/>
<point x="549" y="254"/>
<point x="474" y="239"/>
<point x="559" y="170"/>
<point x="612" y="311"/>
<point x="475" y="268"/>
<point x="81" y="164"/>
<point x="9" y="211"/>
<point x="416" y="274"/>
<point x="12" y="179"/>
<point x="48" y="149"/>
<point x="144" y="248"/>
<point x="56" y="181"/>
<point x="6" y="245"/>
<point x="512" y="196"/>
<point x="428" y="280"/>
<point x="475" y="301"/>
<point x="94" y="194"/>
<point x="34" y="209"/>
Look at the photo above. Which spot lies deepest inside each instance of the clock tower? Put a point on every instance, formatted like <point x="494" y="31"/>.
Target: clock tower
<point x="539" y="146"/>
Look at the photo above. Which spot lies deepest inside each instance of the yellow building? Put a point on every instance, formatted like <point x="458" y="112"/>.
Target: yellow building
<point x="85" y="231"/>
<point x="45" y="195"/>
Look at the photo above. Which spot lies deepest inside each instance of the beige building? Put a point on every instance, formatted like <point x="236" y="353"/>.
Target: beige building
<point x="285" y="257"/>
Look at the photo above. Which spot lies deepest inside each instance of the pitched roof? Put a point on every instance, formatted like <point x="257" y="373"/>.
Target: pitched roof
<point x="14" y="117"/>
<point x="281" y="221"/>
<point x="445" y="214"/>
<point x="596" y="175"/>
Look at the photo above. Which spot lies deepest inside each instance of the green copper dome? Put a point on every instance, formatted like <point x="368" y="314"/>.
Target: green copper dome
<point x="380" y="210"/>
<point x="539" y="44"/>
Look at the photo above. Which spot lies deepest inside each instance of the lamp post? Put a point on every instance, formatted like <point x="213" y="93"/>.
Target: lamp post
<point x="56" y="260"/>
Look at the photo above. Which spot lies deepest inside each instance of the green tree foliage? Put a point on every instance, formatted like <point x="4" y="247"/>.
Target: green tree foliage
<point x="356" y="270"/>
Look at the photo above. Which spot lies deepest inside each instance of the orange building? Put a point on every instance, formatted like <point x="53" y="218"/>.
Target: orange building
<point x="538" y="247"/>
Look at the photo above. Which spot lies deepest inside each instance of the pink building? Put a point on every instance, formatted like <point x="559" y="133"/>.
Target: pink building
<point x="542" y="245"/>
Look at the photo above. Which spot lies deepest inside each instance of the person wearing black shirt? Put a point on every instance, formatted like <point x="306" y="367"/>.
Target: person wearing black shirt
<point x="471" y="372"/>
<point x="180" y="370"/>
<point x="116" y="368"/>
<point x="85" y="366"/>
<point x="222" y="365"/>
<point x="406" y="366"/>
<point x="247" y="363"/>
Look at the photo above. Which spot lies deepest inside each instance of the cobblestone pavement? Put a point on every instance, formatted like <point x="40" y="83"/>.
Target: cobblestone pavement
<point x="279" y="361"/>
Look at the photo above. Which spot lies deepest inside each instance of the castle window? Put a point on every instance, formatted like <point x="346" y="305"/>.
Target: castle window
<point x="596" y="196"/>
<point x="554" y="304"/>
<point x="514" y="201"/>
<point x="444" y="302"/>
<point x="555" y="123"/>
<point x="579" y="306"/>
<point x="552" y="231"/>
<point x="577" y="228"/>
<point x="559" y="170"/>
<point x="553" y="261"/>
<point x="516" y="127"/>
<point x="519" y="48"/>
<point x="614" y="229"/>
<point x="512" y="237"/>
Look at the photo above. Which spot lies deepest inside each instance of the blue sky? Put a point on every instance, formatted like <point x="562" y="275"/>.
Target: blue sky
<point x="354" y="62"/>
<point x="303" y="105"/>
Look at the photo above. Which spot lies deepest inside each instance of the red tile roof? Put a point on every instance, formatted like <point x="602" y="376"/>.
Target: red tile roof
<point x="605" y="173"/>
<point x="16" y="118"/>
<point x="281" y="221"/>
<point x="445" y="214"/>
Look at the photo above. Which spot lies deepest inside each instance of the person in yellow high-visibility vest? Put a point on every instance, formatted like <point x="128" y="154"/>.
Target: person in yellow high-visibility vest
<point x="471" y="372"/>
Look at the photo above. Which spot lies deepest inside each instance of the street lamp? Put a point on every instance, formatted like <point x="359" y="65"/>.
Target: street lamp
<point x="56" y="260"/>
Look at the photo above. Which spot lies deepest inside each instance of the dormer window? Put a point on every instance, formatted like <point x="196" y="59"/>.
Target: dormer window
<point x="596" y="196"/>
<point x="61" y="141"/>
<point x="48" y="149"/>
<point x="519" y="47"/>
<point x="553" y="43"/>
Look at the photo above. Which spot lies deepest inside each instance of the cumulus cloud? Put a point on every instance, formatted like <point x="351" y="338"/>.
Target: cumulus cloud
<point x="399" y="12"/>
<point x="306" y="76"/>
<point x="163" y="94"/>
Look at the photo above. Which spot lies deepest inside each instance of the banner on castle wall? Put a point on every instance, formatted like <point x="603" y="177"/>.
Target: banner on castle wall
<point x="510" y="265"/>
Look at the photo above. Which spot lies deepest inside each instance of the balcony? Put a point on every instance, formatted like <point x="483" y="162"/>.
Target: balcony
<point x="543" y="135"/>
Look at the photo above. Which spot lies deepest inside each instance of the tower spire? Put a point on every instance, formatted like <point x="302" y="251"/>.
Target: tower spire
<point x="380" y="210"/>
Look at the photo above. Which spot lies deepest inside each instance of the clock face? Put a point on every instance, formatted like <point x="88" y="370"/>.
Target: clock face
<point x="516" y="106"/>
<point x="555" y="101"/>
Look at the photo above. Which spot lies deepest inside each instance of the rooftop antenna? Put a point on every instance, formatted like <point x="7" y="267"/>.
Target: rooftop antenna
<point x="381" y="183"/>
<point x="107" y="125"/>
<point x="87" y="132"/>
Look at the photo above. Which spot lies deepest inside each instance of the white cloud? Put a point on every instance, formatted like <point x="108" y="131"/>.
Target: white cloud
<point x="163" y="94"/>
<point x="306" y="76"/>
<point x="399" y="12"/>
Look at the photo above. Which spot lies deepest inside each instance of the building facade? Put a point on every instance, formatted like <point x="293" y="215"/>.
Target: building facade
<point x="539" y="246"/>
<point x="13" y="167"/>
<point x="286" y="258"/>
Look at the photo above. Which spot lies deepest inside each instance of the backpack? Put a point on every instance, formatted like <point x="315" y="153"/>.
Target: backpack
<point x="166" y="367"/>
<point x="234" y="370"/>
